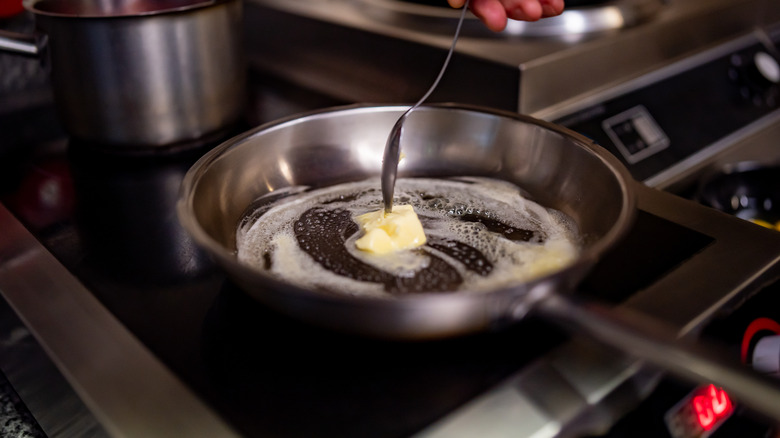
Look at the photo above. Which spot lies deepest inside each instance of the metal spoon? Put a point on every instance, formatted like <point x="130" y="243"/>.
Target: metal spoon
<point x="393" y="145"/>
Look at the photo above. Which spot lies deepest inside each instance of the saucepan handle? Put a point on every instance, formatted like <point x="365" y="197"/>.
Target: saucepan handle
<point x="657" y="343"/>
<point x="25" y="44"/>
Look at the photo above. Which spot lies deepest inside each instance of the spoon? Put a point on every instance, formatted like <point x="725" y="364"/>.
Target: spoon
<point x="393" y="146"/>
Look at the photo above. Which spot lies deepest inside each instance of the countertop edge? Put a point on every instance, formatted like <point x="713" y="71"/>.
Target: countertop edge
<point x="128" y="390"/>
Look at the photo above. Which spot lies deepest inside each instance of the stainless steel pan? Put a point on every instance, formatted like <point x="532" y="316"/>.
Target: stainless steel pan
<point x="557" y="167"/>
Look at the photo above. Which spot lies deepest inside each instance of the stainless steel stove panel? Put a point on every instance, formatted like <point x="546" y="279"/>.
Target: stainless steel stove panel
<point x="336" y="47"/>
<point x="707" y="110"/>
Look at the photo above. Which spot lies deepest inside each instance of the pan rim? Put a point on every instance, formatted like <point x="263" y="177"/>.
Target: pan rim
<point x="576" y="269"/>
<point x="34" y="6"/>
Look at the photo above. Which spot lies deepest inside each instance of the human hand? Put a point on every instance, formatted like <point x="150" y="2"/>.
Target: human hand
<point x="494" y="13"/>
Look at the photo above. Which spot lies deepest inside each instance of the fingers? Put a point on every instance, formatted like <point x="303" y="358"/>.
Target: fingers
<point x="532" y="10"/>
<point x="525" y="10"/>
<point x="551" y="8"/>
<point x="494" y="13"/>
<point x="490" y="12"/>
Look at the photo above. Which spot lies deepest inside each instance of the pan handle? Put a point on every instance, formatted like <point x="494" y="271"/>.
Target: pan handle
<point x="657" y="343"/>
<point x="24" y="44"/>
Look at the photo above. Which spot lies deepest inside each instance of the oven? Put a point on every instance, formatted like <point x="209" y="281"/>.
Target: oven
<point x="115" y="323"/>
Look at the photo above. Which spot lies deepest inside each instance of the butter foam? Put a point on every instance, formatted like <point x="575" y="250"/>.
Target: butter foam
<point x="485" y="230"/>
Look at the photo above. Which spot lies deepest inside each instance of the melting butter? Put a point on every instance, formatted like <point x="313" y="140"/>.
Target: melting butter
<point x="389" y="232"/>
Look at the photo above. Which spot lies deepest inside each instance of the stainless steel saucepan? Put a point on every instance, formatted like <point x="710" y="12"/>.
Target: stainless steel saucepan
<point x="557" y="167"/>
<point x="142" y="73"/>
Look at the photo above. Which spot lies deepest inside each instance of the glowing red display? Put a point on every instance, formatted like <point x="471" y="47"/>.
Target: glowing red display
<point x="711" y="405"/>
<point x="700" y="413"/>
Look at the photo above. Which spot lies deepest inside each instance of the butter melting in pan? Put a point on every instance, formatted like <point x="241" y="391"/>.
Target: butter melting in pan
<point x="388" y="232"/>
<point x="473" y="234"/>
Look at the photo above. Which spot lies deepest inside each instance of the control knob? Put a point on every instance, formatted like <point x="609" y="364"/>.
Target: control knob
<point x="757" y="76"/>
<point x="766" y="355"/>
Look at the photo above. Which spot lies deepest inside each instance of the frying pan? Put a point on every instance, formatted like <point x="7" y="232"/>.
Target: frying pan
<point x="554" y="166"/>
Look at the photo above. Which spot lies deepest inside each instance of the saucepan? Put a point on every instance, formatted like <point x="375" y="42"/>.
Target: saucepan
<point x="140" y="74"/>
<point x="554" y="166"/>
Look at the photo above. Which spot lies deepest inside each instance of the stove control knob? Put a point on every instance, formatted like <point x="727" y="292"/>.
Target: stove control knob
<point x="767" y="68"/>
<point x="766" y="355"/>
<point x="757" y="77"/>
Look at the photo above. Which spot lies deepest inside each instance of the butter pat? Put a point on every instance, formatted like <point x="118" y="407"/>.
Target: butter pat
<point x="384" y="233"/>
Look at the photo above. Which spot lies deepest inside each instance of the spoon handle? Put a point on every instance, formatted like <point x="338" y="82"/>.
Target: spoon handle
<point x="393" y="146"/>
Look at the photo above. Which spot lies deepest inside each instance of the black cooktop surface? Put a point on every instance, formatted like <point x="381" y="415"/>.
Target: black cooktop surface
<point x="111" y="221"/>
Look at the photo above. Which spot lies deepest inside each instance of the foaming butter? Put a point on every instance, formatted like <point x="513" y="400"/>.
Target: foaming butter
<point x="389" y="232"/>
<point x="480" y="234"/>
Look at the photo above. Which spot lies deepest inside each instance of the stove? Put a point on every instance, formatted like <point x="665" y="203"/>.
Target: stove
<point x="150" y="339"/>
<point x="389" y="51"/>
<point x="154" y="340"/>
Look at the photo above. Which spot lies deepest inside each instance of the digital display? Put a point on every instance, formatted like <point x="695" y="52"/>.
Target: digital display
<point x="700" y="413"/>
<point x="635" y="134"/>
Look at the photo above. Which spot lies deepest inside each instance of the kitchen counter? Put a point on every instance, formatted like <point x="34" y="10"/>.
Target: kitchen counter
<point x="35" y="399"/>
<point x="16" y="421"/>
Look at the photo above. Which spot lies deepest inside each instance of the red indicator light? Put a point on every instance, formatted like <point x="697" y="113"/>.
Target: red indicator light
<point x="712" y="404"/>
<point x="699" y="414"/>
<point x="721" y="403"/>
<point x="704" y="414"/>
